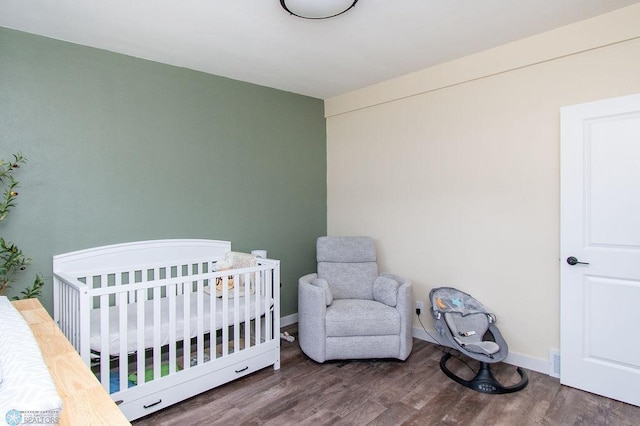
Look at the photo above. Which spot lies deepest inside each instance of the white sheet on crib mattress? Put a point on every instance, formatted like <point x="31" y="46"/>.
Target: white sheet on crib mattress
<point x="149" y="328"/>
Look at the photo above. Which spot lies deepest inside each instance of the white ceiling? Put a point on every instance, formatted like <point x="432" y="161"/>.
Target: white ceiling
<point x="258" y="42"/>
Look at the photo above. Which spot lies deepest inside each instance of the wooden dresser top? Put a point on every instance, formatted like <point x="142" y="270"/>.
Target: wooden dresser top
<point x="85" y="402"/>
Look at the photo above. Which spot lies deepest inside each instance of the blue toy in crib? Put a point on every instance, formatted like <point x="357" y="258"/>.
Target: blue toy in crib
<point x="114" y="382"/>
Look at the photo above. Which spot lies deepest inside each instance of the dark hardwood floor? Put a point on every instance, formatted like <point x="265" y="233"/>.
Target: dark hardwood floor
<point x="387" y="392"/>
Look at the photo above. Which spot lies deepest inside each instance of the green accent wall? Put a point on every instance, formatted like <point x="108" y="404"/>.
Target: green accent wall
<point x="123" y="149"/>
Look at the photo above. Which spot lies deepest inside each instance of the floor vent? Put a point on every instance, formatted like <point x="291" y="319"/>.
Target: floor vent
<point x="554" y="363"/>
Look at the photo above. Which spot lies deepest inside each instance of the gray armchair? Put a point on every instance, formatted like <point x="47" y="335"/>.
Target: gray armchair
<point x="347" y="310"/>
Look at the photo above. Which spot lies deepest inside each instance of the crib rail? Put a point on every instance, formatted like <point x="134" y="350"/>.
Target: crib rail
<point x="133" y="326"/>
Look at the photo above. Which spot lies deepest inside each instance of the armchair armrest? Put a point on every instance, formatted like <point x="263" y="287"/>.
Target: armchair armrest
<point x="404" y="294"/>
<point x="406" y="309"/>
<point x="394" y="290"/>
<point x="322" y="283"/>
<point x="312" y="279"/>
<point x="385" y="288"/>
<point x="312" y="309"/>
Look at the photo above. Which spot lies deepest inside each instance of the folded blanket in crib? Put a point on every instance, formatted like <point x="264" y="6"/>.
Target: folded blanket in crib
<point x="27" y="387"/>
<point x="161" y="333"/>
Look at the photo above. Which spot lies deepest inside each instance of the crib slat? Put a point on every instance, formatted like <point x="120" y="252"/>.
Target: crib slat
<point x="73" y="316"/>
<point x="76" y="315"/>
<point x="124" y="339"/>
<point x="225" y="316"/>
<point x="186" y="330"/>
<point x="248" y="279"/>
<point x="258" y="325"/>
<point x="200" y="317"/>
<point x="267" y="307"/>
<point x="61" y="307"/>
<point x="200" y="320"/>
<point x="62" y="311"/>
<point x="140" y="331"/>
<point x="213" y="312"/>
<point x="157" y="324"/>
<point x="246" y="321"/>
<point x="171" y="295"/>
<point x="236" y="312"/>
<point x="85" y="327"/>
<point x="143" y="295"/>
<point x="69" y="315"/>
<point x="80" y="310"/>
<point x="104" y="341"/>
<point x="276" y="312"/>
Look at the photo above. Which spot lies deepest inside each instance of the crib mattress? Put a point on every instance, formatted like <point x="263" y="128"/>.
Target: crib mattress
<point x="150" y="331"/>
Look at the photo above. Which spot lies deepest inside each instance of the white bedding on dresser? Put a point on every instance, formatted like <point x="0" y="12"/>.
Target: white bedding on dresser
<point x="26" y="382"/>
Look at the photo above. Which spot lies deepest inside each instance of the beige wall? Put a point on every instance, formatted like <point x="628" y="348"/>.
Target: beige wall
<point x="455" y="170"/>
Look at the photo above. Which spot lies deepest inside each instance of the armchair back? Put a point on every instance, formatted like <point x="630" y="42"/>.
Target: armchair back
<point x="348" y="264"/>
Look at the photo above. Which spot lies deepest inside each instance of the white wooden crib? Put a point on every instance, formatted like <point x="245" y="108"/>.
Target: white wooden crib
<point x="145" y="316"/>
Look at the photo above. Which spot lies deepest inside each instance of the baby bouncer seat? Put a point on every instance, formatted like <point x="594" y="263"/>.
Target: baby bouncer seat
<point x="471" y="329"/>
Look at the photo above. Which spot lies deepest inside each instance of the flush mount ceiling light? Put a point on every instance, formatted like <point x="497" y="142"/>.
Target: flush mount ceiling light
<point x="317" y="9"/>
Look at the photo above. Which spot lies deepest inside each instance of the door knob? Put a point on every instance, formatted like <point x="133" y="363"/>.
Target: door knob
<point x="573" y="261"/>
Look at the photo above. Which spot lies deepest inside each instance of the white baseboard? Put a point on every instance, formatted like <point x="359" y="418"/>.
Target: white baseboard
<point x="519" y="360"/>
<point x="530" y="363"/>
<point x="288" y="320"/>
<point x="431" y="336"/>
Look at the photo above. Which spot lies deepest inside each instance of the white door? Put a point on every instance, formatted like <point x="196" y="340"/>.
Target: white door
<point x="600" y="226"/>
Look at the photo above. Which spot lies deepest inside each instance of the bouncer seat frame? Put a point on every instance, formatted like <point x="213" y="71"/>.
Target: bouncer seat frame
<point x="471" y="329"/>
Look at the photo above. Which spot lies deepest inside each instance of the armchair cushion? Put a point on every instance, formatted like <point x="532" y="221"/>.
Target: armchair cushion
<point x="349" y="280"/>
<point x="345" y="249"/>
<point x="349" y="266"/>
<point x="355" y="317"/>
<point x="319" y="282"/>
<point x="385" y="290"/>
